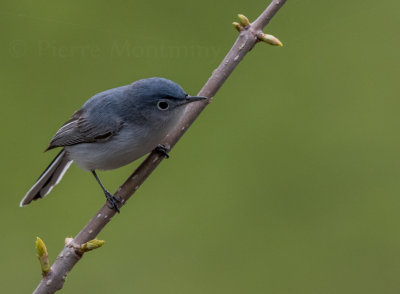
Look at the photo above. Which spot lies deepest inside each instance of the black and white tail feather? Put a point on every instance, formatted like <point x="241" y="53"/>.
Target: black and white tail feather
<point x="50" y="177"/>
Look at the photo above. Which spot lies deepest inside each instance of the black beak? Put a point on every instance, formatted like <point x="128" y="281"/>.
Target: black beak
<point x="194" y="98"/>
<point x="190" y="99"/>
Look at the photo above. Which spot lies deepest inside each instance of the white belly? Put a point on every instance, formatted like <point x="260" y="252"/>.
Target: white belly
<point x="120" y="150"/>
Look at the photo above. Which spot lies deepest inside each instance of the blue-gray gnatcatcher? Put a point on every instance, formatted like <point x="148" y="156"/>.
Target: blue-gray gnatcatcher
<point x="112" y="129"/>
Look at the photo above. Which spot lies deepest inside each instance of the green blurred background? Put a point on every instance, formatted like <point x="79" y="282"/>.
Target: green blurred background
<point x="287" y="183"/>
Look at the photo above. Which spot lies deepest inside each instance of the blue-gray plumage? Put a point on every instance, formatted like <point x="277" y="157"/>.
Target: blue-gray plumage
<point x="112" y="129"/>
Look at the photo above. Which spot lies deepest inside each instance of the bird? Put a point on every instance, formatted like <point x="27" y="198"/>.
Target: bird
<point x="112" y="129"/>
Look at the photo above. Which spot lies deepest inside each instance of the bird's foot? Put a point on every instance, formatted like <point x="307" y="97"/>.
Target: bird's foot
<point x="113" y="201"/>
<point x="163" y="149"/>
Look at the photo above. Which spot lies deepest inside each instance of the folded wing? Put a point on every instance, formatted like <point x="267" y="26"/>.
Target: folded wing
<point x="80" y="129"/>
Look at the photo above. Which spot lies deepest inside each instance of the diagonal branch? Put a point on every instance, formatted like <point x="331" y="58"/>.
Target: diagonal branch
<point x="249" y="35"/>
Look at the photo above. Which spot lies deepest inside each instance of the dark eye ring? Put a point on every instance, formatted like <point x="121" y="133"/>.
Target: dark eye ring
<point x="162" y="105"/>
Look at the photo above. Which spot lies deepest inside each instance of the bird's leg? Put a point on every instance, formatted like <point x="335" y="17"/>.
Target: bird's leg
<point x="163" y="149"/>
<point x="110" y="198"/>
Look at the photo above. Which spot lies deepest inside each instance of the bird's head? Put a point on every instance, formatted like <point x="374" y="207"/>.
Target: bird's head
<point x="160" y="101"/>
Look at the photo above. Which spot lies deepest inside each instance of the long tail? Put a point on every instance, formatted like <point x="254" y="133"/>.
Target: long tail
<point x="50" y="177"/>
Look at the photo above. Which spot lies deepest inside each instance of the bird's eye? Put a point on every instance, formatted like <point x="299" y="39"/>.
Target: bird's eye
<point x="162" y="105"/>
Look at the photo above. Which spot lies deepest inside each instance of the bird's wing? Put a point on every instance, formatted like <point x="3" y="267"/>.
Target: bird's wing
<point x="81" y="129"/>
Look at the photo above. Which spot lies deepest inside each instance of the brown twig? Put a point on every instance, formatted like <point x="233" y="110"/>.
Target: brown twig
<point x="249" y="35"/>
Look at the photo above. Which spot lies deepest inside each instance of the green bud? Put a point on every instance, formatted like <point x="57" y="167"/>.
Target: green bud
<point x="42" y="256"/>
<point x="243" y="20"/>
<point x="237" y="26"/>
<point x="272" y="40"/>
<point x="91" y="245"/>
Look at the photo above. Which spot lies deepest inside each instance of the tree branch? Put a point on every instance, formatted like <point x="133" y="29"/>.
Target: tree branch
<point x="249" y="35"/>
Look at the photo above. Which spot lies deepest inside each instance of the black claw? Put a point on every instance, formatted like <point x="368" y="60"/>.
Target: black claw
<point x="163" y="150"/>
<point x="112" y="201"/>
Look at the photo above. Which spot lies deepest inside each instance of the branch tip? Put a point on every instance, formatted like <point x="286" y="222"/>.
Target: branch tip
<point x="42" y="255"/>
<point x="270" y="39"/>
